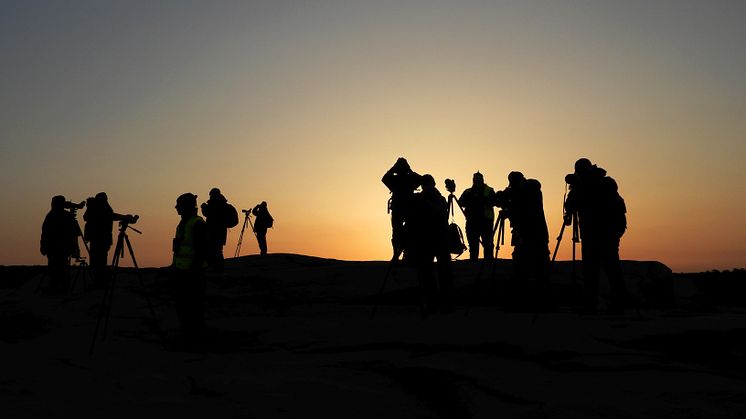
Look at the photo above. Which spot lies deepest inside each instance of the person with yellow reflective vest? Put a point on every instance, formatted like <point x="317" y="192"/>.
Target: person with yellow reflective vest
<point x="190" y="249"/>
<point x="478" y="204"/>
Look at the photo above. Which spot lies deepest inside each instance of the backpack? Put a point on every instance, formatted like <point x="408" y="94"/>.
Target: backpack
<point x="231" y="216"/>
<point x="615" y="207"/>
<point x="456" y="239"/>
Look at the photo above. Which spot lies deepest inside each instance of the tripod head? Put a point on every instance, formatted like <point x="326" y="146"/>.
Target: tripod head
<point x="125" y="222"/>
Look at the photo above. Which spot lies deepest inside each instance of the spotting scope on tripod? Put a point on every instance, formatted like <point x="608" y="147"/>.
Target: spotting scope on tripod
<point x="106" y="303"/>
<point x="246" y="220"/>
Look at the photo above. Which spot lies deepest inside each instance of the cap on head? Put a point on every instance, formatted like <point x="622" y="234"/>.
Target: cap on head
<point x="101" y="196"/>
<point x="427" y="181"/>
<point x="187" y="200"/>
<point x="515" y="177"/>
<point x="214" y="192"/>
<point x="583" y="165"/>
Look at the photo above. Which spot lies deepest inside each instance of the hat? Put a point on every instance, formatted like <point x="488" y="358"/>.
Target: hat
<point x="187" y="200"/>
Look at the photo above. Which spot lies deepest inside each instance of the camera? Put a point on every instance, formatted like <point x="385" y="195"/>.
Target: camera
<point x="451" y="185"/>
<point x="571" y="179"/>
<point x="73" y="206"/>
<point x="504" y="198"/>
<point x="245" y="211"/>
<point x="129" y="219"/>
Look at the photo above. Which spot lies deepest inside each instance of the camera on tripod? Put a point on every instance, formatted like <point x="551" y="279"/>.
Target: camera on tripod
<point x="73" y="207"/>
<point x="129" y="219"/>
<point x="451" y="185"/>
<point x="245" y="211"/>
<point x="504" y="198"/>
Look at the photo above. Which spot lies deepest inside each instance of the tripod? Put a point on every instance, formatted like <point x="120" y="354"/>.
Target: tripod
<point x="247" y="219"/>
<point x="106" y="302"/>
<point x="573" y="220"/>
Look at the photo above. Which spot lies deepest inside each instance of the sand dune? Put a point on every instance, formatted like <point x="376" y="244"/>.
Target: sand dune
<point x="291" y="336"/>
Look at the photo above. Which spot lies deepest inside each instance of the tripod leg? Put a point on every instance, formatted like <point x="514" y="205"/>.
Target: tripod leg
<point x="559" y="239"/>
<point x="161" y="335"/>
<point x="383" y="285"/>
<point x="240" y="236"/>
<point x="106" y="299"/>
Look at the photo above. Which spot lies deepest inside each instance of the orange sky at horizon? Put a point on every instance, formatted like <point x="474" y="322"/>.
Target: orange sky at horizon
<point x="306" y="106"/>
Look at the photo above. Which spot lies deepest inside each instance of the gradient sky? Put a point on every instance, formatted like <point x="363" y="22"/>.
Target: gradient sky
<point x="305" y="104"/>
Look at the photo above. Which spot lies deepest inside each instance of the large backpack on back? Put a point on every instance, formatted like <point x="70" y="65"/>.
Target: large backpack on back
<point x="231" y="216"/>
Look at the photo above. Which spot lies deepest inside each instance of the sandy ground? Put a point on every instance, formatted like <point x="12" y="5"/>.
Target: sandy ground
<point x="291" y="336"/>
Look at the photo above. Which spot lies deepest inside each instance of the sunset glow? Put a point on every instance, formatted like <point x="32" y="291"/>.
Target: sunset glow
<point x="306" y="104"/>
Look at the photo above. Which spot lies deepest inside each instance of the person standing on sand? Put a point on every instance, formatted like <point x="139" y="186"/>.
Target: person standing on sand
<point x="190" y="251"/>
<point x="402" y="182"/>
<point x="602" y="220"/>
<point x="219" y="217"/>
<point x="263" y="221"/>
<point x="478" y="204"/>
<point x="428" y="240"/>
<point x="59" y="235"/>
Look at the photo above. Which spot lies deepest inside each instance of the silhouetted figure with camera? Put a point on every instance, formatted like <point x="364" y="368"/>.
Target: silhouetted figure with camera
<point x="59" y="242"/>
<point x="522" y="203"/>
<point x="478" y="205"/>
<point x="220" y="216"/>
<point x="402" y="182"/>
<point x="428" y="238"/>
<point x="602" y="220"/>
<point x="262" y="222"/>
<point x="190" y="247"/>
<point x="99" y="220"/>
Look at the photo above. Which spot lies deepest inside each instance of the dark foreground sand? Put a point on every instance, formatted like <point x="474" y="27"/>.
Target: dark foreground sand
<point x="291" y="337"/>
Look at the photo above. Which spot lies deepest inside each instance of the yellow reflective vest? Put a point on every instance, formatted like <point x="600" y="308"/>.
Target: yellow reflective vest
<point x="184" y="243"/>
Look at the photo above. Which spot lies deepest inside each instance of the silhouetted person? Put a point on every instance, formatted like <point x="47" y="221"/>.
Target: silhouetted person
<point x="59" y="242"/>
<point x="263" y="221"/>
<point x="401" y="181"/>
<point x="190" y="251"/>
<point x="215" y="211"/>
<point x="428" y="239"/>
<point x="478" y="205"/>
<point x="522" y="203"/>
<point x="99" y="220"/>
<point x="602" y="221"/>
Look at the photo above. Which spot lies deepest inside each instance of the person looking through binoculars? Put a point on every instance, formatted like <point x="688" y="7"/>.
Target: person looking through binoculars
<point x="478" y="205"/>
<point x="522" y="203"/>
<point x="59" y="242"/>
<point x="402" y="182"/>
<point x="602" y="219"/>
<point x="263" y="222"/>
<point x="99" y="220"/>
